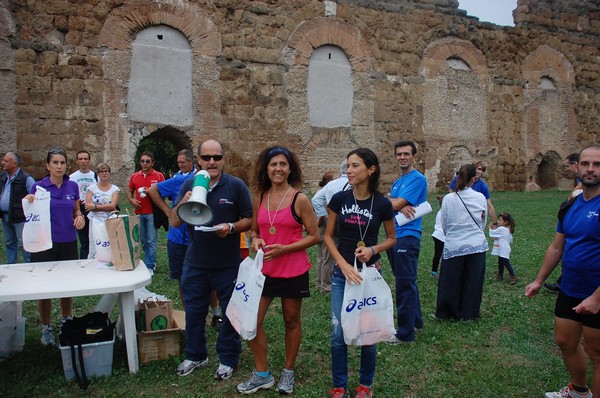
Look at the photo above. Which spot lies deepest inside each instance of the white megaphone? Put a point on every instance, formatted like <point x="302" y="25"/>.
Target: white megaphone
<point x="195" y="211"/>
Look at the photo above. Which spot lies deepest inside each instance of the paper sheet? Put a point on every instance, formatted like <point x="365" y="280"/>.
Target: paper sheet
<point x="420" y="211"/>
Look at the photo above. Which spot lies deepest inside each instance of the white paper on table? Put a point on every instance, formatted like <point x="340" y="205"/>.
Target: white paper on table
<point x="420" y="211"/>
<point x="206" y="229"/>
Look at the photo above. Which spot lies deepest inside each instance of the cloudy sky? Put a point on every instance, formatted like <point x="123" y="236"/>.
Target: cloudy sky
<point x="495" y="11"/>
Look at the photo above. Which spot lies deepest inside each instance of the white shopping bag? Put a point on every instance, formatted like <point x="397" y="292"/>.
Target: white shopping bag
<point x="367" y="309"/>
<point x="100" y="241"/>
<point x="242" y="309"/>
<point x="37" y="231"/>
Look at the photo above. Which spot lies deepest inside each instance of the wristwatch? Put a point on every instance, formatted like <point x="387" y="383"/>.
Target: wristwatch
<point x="231" y="228"/>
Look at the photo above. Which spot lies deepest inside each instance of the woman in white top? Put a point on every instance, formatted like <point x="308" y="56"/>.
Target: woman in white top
<point x="438" y="241"/>
<point x="463" y="217"/>
<point x="101" y="199"/>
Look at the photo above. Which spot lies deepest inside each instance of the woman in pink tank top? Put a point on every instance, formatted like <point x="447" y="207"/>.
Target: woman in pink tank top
<point x="281" y="215"/>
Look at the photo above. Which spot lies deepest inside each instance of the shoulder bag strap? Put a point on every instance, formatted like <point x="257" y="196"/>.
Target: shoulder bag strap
<point x="468" y="211"/>
<point x="82" y="379"/>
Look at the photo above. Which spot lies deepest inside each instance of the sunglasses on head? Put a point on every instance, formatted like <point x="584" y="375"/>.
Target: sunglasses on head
<point x="207" y="158"/>
<point x="145" y="161"/>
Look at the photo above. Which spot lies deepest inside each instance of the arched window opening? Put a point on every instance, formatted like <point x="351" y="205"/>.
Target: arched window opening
<point x="160" y="87"/>
<point x="546" y="83"/>
<point x="330" y="93"/>
<point x="457" y="63"/>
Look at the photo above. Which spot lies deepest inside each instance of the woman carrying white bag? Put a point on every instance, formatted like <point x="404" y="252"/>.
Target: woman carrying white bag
<point x="66" y="218"/>
<point x="101" y="199"/>
<point x="358" y="214"/>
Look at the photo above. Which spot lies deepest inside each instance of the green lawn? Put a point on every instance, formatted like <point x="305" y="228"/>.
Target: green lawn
<point x="508" y="352"/>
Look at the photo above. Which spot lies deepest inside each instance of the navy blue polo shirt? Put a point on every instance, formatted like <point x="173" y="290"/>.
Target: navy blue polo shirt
<point x="230" y="201"/>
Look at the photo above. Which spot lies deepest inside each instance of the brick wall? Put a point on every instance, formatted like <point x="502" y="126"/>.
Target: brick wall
<point x="65" y="71"/>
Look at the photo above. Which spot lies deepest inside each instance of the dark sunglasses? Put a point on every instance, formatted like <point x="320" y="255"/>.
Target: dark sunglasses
<point x="145" y="161"/>
<point x="207" y="158"/>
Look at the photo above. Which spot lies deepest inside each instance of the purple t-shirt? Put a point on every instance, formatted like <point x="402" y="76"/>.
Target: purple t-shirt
<point x="62" y="203"/>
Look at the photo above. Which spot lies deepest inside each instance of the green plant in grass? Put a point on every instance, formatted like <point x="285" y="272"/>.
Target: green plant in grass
<point x="508" y="352"/>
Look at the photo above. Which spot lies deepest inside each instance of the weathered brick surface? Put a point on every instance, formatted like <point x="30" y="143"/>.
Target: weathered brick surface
<point x="67" y="65"/>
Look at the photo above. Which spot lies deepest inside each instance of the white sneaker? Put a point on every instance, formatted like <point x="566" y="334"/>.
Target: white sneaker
<point x="224" y="372"/>
<point x="47" y="338"/>
<point x="568" y="392"/>
<point x="186" y="367"/>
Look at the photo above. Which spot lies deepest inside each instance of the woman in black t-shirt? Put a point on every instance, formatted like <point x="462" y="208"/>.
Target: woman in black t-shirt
<point x="358" y="214"/>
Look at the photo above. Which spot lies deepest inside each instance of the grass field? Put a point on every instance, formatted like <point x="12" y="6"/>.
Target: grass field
<point x="509" y="352"/>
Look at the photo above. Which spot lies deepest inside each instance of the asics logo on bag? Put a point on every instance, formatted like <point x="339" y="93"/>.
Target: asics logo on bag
<point x="367" y="301"/>
<point x="241" y="286"/>
<point x="102" y="243"/>
<point x="32" y="217"/>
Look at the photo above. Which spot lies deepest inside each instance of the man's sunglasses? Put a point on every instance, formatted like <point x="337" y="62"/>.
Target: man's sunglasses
<point x="145" y="161"/>
<point x="207" y="158"/>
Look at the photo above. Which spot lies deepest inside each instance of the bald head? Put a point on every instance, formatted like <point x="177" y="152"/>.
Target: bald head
<point x="211" y="159"/>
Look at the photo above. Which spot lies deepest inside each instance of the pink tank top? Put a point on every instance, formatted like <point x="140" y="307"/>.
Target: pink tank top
<point x="288" y="231"/>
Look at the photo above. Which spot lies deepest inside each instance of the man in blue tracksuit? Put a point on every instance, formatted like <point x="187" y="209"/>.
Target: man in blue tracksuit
<point x="408" y="191"/>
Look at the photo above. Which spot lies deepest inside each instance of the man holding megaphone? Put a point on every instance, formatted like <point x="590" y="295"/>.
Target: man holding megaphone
<point x="216" y="207"/>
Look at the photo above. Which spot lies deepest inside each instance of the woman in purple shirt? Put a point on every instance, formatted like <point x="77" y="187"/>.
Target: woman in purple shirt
<point x="66" y="218"/>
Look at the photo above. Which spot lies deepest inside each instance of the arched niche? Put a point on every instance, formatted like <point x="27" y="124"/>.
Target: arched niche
<point x="322" y="148"/>
<point x="550" y="171"/>
<point x="549" y="117"/>
<point x="116" y="42"/>
<point x="454" y="104"/>
<point x="161" y="77"/>
<point x="330" y="93"/>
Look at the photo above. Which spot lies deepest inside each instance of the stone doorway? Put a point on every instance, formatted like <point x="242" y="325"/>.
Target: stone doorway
<point x="164" y="143"/>
<point x="550" y="171"/>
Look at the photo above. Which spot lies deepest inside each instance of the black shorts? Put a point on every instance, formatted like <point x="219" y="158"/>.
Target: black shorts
<point x="564" y="309"/>
<point x="296" y="287"/>
<point x="60" y="251"/>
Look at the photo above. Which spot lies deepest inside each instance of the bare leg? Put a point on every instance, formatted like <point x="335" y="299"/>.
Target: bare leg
<point x="66" y="306"/>
<point x="258" y="345"/>
<point x="592" y="345"/>
<point x="44" y="308"/>
<point x="292" y="316"/>
<point x="568" y="336"/>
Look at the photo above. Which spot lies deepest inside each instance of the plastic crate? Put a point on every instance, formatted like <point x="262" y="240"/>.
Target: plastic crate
<point x="97" y="357"/>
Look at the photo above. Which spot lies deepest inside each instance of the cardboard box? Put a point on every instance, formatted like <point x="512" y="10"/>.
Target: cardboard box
<point x="159" y="344"/>
<point x="97" y="358"/>
<point x="179" y="317"/>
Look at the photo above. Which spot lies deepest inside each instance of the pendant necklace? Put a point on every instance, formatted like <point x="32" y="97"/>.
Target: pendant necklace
<point x="272" y="229"/>
<point x="361" y="242"/>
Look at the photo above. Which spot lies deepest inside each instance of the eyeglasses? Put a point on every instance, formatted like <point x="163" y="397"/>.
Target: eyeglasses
<point x="104" y="171"/>
<point x="145" y="161"/>
<point x="207" y="158"/>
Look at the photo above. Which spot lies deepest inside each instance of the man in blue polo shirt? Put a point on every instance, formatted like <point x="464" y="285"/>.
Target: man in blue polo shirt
<point x="212" y="261"/>
<point x="408" y="191"/>
<point x="177" y="239"/>
<point x="577" y="309"/>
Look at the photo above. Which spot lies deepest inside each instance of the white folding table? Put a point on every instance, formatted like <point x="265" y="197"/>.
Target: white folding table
<point x="74" y="278"/>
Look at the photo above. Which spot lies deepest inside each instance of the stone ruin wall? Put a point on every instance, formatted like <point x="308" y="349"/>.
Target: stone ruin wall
<point x="65" y="69"/>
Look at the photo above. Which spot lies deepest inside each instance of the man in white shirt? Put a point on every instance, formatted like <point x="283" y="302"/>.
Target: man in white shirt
<point x="84" y="177"/>
<point x="319" y="202"/>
